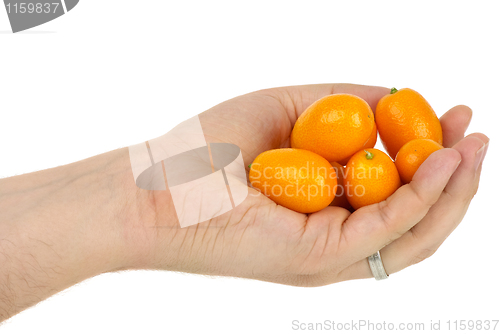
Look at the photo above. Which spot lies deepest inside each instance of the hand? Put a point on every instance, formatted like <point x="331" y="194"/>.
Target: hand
<point x="66" y="224"/>
<point x="262" y="240"/>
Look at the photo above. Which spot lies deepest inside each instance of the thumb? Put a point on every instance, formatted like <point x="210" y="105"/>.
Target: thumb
<point x="372" y="227"/>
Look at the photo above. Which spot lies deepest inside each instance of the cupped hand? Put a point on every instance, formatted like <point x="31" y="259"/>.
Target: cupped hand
<point x="262" y="240"/>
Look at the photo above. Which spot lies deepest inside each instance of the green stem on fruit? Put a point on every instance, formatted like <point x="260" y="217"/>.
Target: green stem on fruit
<point x="393" y="90"/>
<point x="369" y="155"/>
<point x="249" y="166"/>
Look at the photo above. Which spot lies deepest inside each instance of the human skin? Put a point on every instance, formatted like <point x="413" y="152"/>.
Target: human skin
<point x="63" y="225"/>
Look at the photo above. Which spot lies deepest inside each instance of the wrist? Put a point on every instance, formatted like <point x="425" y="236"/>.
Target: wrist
<point x="148" y="226"/>
<point x="78" y="208"/>
<point x="122" y="219"/>
<point x="59" y="226"/>
<point x="63" y="225"/>
<point x="126" y="227"/>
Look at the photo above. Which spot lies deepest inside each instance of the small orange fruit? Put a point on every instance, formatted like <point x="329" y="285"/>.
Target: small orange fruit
<point x="335" y="126"/>
<point x="405" y="115"/>
<point x="412" y="155"/>
<point x="369" y="144"/>
<point x="371" y="177"/>
<point x="297" y="179"/>
<point x="340" y="196"/>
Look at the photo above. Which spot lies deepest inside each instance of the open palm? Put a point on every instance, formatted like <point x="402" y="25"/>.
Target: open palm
<point x="262" y="240"/>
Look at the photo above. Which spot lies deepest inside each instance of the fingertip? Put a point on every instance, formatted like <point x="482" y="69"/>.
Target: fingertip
<point x="448" y="160"/>
<point x="467" y="111"/>
<point x="470" y="145"/>
<point x="469" y="149"/>
<point x="481" y="136"/>
<point x="437" y="169"/>
<point x="463" y="112"/>
<point x="454" y="124"/>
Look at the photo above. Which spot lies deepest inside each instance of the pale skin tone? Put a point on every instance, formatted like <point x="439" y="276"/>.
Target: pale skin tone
<point x="64" y="225"/>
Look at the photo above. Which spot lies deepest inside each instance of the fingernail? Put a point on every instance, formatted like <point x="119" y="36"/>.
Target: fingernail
<point x="480" y="156"/>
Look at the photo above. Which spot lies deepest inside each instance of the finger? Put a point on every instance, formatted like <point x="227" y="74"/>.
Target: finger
<point x="454" y="124"/>
<point x="472" y="149"/>
<point x="295" y="99"/>
<point x="424" y="238"/>
<point x="371" y="228"/>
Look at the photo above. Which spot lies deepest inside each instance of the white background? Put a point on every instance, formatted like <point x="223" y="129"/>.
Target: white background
<point x="114" y="73"/>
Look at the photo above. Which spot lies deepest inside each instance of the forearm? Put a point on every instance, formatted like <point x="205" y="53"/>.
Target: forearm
<point x="64" y="225"/>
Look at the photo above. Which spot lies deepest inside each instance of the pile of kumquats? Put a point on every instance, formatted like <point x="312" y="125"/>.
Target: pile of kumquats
<point x="332" y="160"/>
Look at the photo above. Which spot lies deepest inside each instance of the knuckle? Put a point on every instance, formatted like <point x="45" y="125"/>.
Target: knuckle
<point x="386" y="215"/>
<point x="389" y="220"/>
<point x="420" y="199"/>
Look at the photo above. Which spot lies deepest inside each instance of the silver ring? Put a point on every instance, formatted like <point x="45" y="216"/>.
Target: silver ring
<point x="377" y="266"/>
